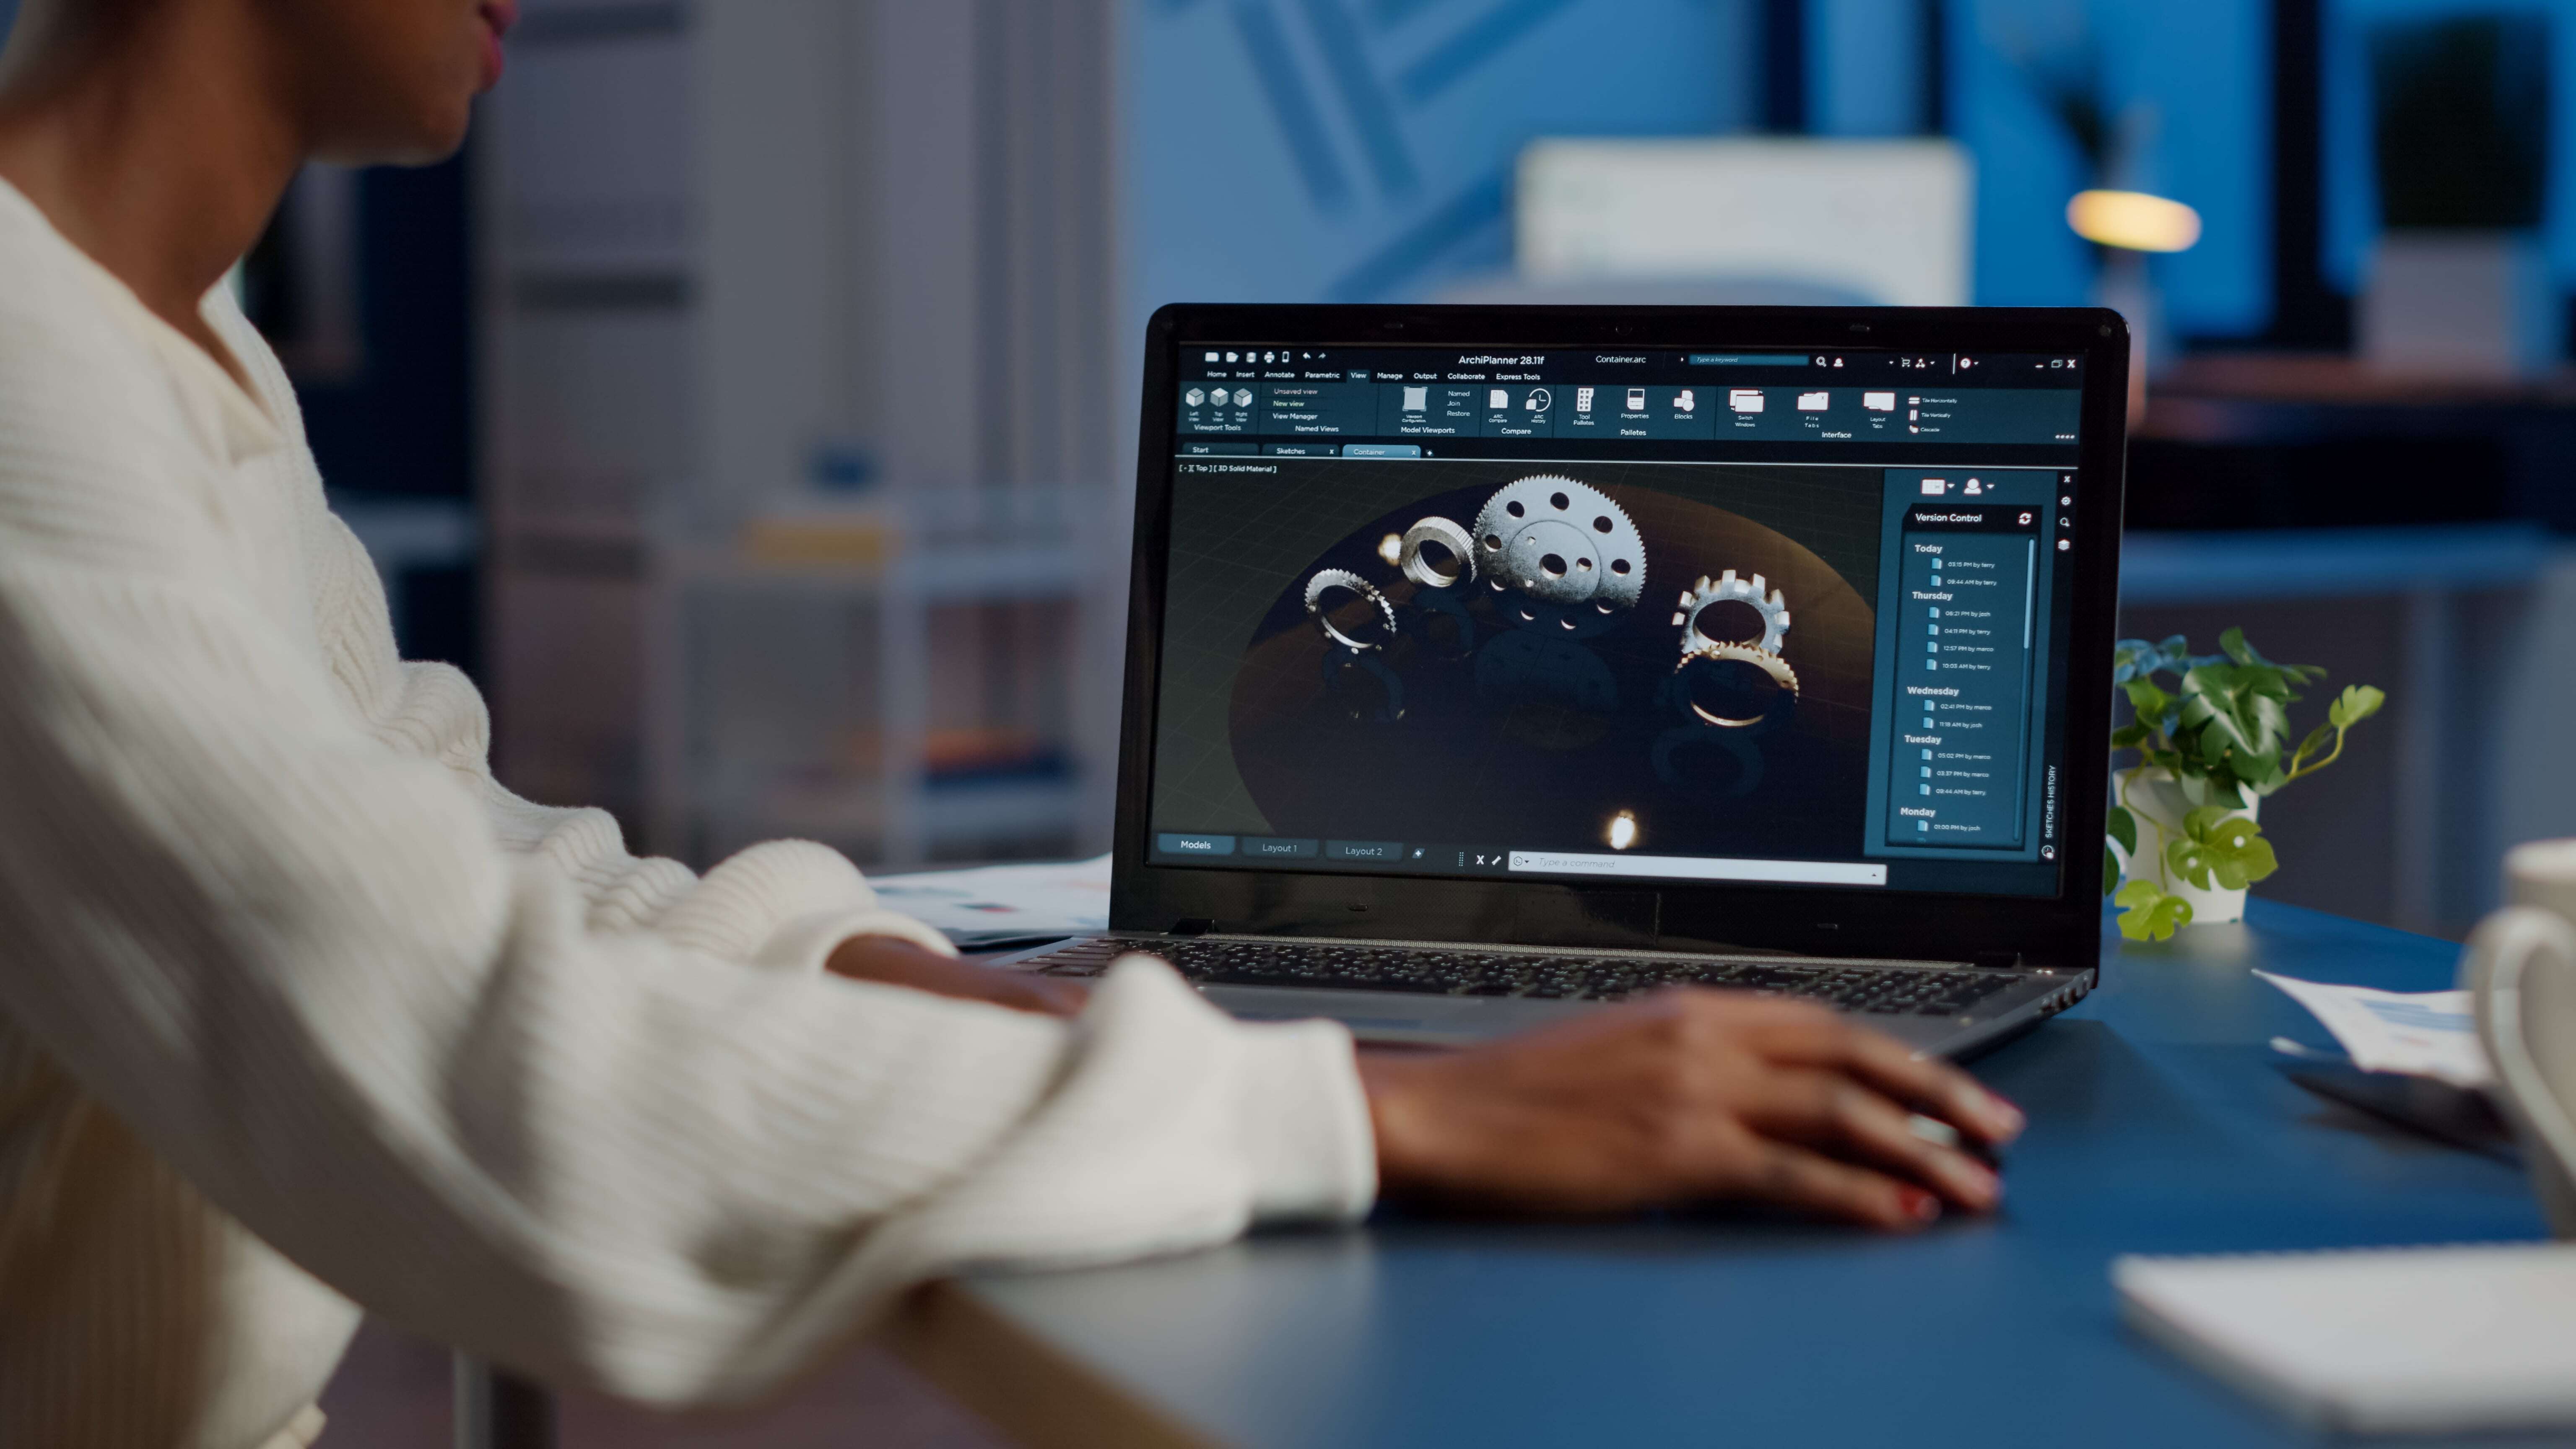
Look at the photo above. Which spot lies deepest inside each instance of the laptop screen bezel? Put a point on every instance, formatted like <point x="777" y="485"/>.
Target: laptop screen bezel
<point x="2063" y="930"/>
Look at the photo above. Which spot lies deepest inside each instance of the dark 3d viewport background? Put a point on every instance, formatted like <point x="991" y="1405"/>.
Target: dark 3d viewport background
<point x="1599" y="670"/>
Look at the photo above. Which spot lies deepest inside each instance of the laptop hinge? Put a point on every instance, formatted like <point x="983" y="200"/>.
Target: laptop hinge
<point x="1191" y="926"/>
<point x="1996" y="961"/>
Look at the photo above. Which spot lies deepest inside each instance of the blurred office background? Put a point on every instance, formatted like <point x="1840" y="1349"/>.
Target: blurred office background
<point x="751" y="409"/>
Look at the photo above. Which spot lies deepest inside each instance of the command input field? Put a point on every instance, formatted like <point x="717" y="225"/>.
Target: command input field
<point x="1690" y="867"/>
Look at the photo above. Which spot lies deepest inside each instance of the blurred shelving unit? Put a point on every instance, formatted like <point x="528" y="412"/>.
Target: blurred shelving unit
<point x="2280" y="440"/>
<point x="904" y="706"/>
<point x="798" y="416"/>
<point x="2410" y="531"/>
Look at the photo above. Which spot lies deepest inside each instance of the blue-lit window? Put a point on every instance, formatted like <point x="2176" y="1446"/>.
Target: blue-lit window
<point x="2352" y="202"/>
<point x="2179" y="94"/>
<point x="1362" y="150"/>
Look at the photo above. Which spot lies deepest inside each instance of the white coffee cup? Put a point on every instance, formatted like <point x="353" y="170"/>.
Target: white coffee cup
<point x="2521" y="967"/>
<point x="2542" y="873"/>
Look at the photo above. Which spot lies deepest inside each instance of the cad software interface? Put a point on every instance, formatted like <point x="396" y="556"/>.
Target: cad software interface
<point x="1574" y="614"/>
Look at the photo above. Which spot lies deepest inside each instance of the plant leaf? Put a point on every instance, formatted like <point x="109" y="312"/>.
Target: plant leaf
<point x="2237" y="649"/>
<point x="2137" y="659"/>
<point x="2261" y="771"/>
<point x="2149" y="701"/>
<point x="2110" y="871"/>
<point x="2243" y="704"/>
<point x="2238" y="853"/>
<point x="2189" y="859"/>
<point x="2129" y="736"/>
<point x="2171" y="915"/>
<point x="2357" y="703"/>
<point x="2221" y="851"/>
<point x="2148" y="913"/>
<point x="2124" y="828"/>
<point x="2212" y="745"/>
<point x="2209" y="785"/>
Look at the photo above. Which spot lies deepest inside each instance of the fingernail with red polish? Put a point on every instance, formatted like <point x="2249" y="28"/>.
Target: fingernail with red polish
<point x="1919" y="1205"/>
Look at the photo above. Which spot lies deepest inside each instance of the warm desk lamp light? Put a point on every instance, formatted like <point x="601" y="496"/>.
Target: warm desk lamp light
<point x="2133" y="221"/>
<point x="2130" y="224"/>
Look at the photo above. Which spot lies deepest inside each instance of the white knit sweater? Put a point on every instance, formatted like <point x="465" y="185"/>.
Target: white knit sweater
<point x="293" y="995"/>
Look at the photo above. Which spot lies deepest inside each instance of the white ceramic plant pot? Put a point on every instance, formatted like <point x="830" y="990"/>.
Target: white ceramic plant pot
<point x="2457" y="304"/>
<point x="2157" y="801"/>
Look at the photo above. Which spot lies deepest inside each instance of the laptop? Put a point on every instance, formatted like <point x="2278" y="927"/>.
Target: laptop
<point x="1491" y="664"/>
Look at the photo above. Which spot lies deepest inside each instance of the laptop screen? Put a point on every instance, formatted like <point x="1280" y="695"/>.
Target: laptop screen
<point x="1576" y="614"/>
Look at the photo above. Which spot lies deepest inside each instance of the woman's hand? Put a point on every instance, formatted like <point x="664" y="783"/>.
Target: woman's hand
<point x="1688" y="1095"/>
<point x="896" y="962"/>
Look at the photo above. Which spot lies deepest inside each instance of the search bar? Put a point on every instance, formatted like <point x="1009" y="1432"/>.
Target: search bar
<point x="1748" y="359"/>
<point x="1692" y="867"/>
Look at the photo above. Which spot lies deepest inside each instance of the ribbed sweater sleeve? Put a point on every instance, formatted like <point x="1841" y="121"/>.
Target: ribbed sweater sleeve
<point x="649" y="1146"/>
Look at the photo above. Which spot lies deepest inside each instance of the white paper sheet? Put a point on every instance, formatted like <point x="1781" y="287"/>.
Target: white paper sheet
<point x="2442" y="1340"/>
<point x="2419" y="1033"/>
<point x="992" y="903"/>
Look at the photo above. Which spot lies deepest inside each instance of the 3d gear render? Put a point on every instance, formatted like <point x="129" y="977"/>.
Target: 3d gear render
<point x="1562" y="562"/>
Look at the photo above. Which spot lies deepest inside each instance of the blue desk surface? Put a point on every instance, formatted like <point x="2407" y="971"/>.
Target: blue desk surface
<point x="2158" y="1125"/>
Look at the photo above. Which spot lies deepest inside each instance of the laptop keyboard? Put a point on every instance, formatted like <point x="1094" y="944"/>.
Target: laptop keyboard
<point x="1848" y="986"/>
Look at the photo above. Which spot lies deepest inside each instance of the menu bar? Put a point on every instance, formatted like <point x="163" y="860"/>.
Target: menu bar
<point x="1355" y="405"/>
<point x="1201" y="363"/>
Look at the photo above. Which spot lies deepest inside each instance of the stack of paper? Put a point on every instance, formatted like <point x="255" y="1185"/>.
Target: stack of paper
<point x="2419" y="1033"/>
<point x="993" y="904"/>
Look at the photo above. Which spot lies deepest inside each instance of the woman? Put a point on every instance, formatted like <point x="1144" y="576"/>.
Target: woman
<point x="301" y="1011"/>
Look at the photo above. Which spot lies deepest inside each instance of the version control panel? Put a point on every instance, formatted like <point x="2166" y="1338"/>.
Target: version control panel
<point x="1964" y="624"/>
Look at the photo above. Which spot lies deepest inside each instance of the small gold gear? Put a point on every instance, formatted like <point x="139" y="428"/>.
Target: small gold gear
<point x="1717" y="653"/>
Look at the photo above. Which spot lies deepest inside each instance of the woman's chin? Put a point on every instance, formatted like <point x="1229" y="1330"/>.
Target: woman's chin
<point x="425" y="136"/>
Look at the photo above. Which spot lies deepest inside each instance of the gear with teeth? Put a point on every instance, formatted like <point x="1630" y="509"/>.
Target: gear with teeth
<point x="1561" y="542"/>
<point x="1424" y="569"/>
<point x="1728" y="589"/>
<point x="1326" y="580"/>
<point x="1769" y="663"/>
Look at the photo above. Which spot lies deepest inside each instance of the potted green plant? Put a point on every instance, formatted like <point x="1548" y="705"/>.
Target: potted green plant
<point x="2208" y="749"/>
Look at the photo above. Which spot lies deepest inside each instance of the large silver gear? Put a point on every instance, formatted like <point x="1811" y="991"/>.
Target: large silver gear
<point x="1728" y="589"/>
<point x="1344" y="578"/>
<point x="1563" y="542"/>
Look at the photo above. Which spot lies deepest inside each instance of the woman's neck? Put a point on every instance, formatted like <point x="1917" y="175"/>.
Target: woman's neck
<point x="161" y="155"/>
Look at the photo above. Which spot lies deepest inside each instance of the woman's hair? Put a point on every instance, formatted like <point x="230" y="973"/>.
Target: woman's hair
<point x="52" y="37"/>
